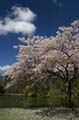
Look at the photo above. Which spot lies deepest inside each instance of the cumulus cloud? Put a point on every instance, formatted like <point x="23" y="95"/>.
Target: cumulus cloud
<point x="20" y="20"/>
<point x="4" y="68"/>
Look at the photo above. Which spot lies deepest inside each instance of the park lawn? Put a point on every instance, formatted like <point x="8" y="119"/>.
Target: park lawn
<point x="37" y="114"/>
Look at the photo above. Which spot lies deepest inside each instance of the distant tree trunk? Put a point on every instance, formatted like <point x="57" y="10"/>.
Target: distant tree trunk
<point x="69" y="101"/>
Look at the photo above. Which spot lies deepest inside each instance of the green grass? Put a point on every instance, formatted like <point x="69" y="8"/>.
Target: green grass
<point x="37" y="114"/>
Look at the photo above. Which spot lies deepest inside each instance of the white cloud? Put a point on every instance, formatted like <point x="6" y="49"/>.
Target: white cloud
<point x="15" y="46"/>
<point x="4" y="68"/>
<point x="19" y="20"/>
<point x="24" y="14"/>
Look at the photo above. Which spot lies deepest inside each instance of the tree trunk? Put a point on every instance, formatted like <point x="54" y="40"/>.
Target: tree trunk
<point x="69" y="94"/>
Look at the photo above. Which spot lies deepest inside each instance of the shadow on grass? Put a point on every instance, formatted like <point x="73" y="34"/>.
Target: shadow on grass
<point x="51" y="112"/>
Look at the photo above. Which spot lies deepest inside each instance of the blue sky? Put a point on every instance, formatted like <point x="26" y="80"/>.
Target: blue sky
<point x="50" y="14"/>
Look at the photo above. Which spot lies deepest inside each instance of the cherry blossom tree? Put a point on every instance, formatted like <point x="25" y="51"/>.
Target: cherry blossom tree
<point x="62" y="59"/>
<point x="42" y="58"/>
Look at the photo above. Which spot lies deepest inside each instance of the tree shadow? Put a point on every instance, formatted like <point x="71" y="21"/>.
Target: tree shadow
<point x="62" y="112"/>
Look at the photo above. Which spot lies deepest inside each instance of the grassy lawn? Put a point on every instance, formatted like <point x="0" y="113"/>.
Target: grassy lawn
<point x="38" y="114"/>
